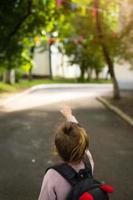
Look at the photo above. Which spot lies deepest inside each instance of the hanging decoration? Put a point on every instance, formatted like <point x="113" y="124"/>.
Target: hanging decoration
<point x="94" y="12"/>
<point x="57" y="40"/>
<point x="73" y="6"/>
<point x="83" y="5"/>
<point x="51" y="41"/>
<point x="37" y="40"/>
<point x="81" y="38"/>
<point x="59" y="3"/>
<point x="80" y="1"/>
<point x="83" y="10"/>
<point x="66" y="41"/>
<point x="78" y="40"/>
<point x="79" y="4"/>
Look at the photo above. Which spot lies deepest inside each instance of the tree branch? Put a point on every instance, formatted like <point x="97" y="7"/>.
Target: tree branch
<point x="18" y="25"/>
<point x="16" y="28"/>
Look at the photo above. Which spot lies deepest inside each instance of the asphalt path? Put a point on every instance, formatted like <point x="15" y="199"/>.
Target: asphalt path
<point x="48" y="94"/>
<point x="27" y="149"/>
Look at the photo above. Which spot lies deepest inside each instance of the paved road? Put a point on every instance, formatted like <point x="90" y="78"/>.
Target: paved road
<point x="47" y="94"/>
<point x="26" y="146"/>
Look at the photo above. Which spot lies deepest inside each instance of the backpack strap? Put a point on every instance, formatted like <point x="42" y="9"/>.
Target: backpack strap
<point x="70" y="174"/>
<point x="67" y="172"/>
<point x="87" y="165"/>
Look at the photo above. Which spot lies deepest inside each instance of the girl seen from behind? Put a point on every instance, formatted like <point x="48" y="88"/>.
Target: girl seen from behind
<point x="72" y="145"/>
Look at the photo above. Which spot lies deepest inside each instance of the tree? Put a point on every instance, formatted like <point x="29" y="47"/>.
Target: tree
<point x="85" y="56"/>
<point x="105" y="50"/>
<point x="125" y="50"/>
<point x="79" y="42"/>
<point x="22" y="20"/>
<point x="102" y="22"/>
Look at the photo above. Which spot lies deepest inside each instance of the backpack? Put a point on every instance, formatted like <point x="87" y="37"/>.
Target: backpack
<point x="84" y="186"/>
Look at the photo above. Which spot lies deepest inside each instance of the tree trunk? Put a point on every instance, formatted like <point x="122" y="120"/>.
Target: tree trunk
<point x="82" y="70"/>
<point x="16" y="76"/>
<point x="18" y="25"/>
<point x="97" y="74"/>
<point x="89" y="73"/>
<point x="62" y="64"/>
<point x="50" y="63"/>
<point x="107" y="75"/>
<point x="7" y="76"/>
<point x="116" y="91"/>
<point x="30" y="74"/>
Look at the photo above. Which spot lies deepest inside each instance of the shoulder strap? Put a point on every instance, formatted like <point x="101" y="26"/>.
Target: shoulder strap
<point x="87" y="164"/>
<point x="67" y="172"/>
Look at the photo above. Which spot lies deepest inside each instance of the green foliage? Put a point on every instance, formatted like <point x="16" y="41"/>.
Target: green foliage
<point x="21" y="21"/>
<point x="81" y="43"/>
<point x="87" y="53"/>
<point x="24" y="20"/>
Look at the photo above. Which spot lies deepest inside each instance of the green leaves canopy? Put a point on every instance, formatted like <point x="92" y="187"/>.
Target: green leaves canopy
<point x="22" y="20"/>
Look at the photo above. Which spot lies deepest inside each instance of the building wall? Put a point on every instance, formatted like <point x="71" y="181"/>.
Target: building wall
<point x="124" y="75"/>
<point x="41" y="63"/>
<point x="61" y="65"/>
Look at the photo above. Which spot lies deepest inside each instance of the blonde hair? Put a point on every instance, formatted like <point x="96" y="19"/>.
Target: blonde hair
<point x="71" y="141"/>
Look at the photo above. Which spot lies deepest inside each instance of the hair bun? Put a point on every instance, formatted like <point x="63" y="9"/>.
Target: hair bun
<point x="67" y="129"/>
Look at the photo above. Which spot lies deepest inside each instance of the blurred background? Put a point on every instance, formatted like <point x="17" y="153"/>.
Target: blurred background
<point x="54" y="52"/>
<point x="67" y="41"/>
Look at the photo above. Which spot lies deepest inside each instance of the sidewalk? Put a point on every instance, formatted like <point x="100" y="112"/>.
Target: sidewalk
<point x="4" y="96"/>
<point x="125" y="103"/>
<point x="50" y="93"/>
<point x="122" y="107"/>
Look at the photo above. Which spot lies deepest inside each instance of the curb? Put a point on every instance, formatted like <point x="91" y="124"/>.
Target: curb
<point x="119" y="112"/>
<point x="69" y="85"/>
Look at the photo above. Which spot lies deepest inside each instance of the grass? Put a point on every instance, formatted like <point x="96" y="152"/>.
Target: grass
<point x="25" y="84"/>
<point x="7" y="88"/>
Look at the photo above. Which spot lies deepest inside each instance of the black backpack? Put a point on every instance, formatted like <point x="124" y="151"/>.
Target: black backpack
<point x="84" y="186"/>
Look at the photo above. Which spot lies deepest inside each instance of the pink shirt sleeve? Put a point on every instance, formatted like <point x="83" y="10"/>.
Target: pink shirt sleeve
<point x="54" y="186"/>
<point x="47" y="190"/>
<point x="88" y="153"/>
